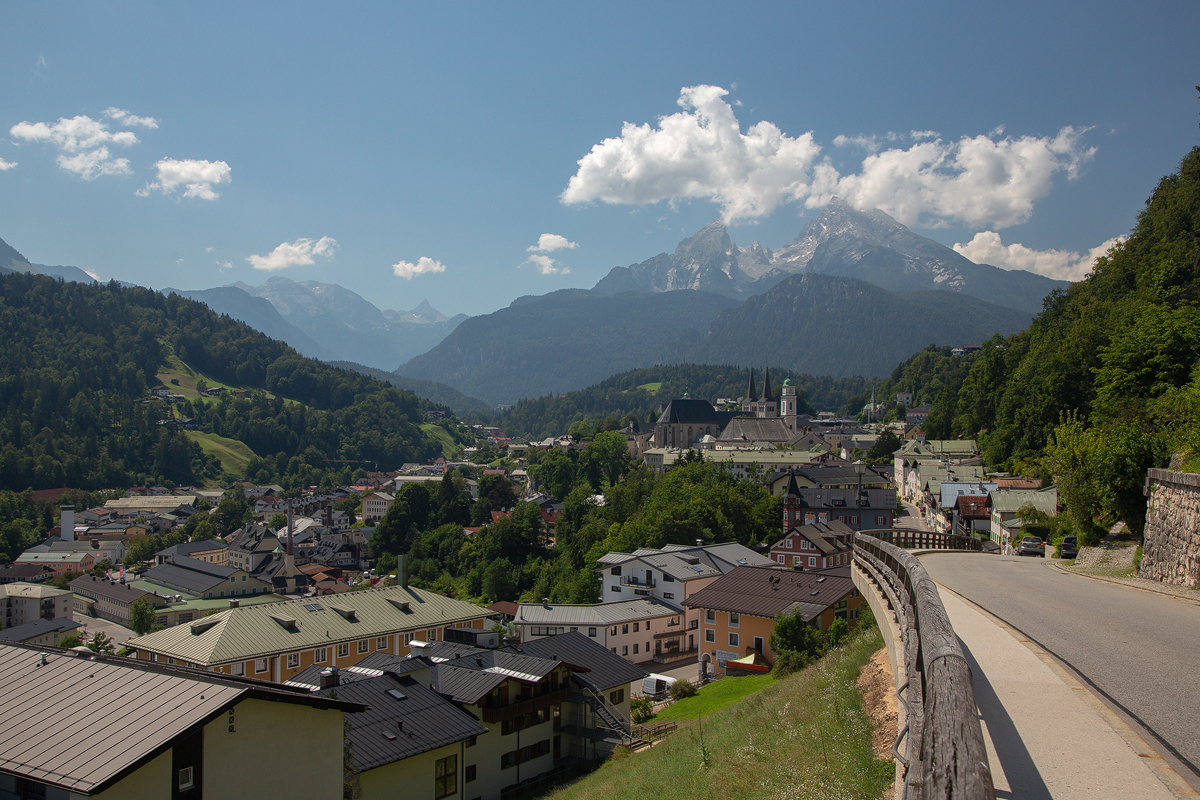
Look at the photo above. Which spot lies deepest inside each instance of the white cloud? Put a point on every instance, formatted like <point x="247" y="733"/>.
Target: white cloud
<point x="409" y="270"/>
<point x="702" y="153"/>
<point x="224" y="265"/>
<point x="93" y="275"/>
<point x="84" y="144"/>
<point x="6" y="165"/>
<point x="547" y="265"/>
<point x="297" y="253"/>
<point x="123" y="117"/>
<point x="549" y="242"/>
<point x="976" y="180"/>
<point x="198" y="176"/>
<point x="986" y="248"/>
<point x="697" y="153"/>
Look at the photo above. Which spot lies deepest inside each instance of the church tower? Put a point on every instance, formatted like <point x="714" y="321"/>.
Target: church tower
<point x="787" y="404"/>
<point x="748" y="402"/>
<point x="767" y="405"/>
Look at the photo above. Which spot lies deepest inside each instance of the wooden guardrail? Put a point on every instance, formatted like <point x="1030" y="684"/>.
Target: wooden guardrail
<point x="926" y="540"/>
<point x="944" y="755"/>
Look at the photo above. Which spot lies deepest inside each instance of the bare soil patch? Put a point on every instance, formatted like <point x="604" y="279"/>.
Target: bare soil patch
<point x="879" y="703"/>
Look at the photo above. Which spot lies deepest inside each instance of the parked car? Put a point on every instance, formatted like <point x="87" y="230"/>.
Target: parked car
<point x="1069" y="547"/>
<point x="1030" y="546"/>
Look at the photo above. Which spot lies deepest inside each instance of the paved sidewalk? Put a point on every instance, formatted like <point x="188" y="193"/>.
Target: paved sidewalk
<point x="1047" y="735"/>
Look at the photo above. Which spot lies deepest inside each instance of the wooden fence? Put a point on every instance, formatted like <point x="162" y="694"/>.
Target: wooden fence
<point x="926" y="540"/>
<point x="943" y="755"/>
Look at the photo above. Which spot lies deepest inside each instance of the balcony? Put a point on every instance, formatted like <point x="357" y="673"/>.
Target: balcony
<point x="494" y="715"/>
<point x="639" y="583"/>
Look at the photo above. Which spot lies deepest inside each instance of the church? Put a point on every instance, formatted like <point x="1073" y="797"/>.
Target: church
<point x="766" y="405"/>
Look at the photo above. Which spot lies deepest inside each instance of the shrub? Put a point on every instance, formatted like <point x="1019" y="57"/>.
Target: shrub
<point x="641" y="710"/>
<point x="71" y="641"/>
<point x="787" y="662"/>
<point x="682" y="688"/>
<point x="1137" y="560"/>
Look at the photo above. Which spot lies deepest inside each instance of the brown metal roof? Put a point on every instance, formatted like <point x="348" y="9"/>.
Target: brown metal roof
<point x="133" y="710"/>
<point x="768" y="592"/>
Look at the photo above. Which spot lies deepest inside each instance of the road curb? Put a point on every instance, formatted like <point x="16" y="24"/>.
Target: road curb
<point x="1118" y="582"/>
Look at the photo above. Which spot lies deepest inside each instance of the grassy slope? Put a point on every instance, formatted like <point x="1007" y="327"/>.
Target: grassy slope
<point x="805" y="736"/>
<point x="233" y="455"/>
<point x="712" y="698"/>
<point x="450" y="447"/>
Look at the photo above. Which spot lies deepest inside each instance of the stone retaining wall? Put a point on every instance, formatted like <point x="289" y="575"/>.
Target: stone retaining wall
<point x="1171" y="546"/>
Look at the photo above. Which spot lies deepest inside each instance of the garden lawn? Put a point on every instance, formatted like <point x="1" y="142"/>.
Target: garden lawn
<point x="712" y="697"/>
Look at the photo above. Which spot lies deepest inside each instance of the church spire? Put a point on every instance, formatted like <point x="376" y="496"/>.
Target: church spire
<point x="766" y="395"/>
<point x="750" y="395"/>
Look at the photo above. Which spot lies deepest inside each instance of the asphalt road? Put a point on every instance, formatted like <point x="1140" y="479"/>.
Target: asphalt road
<point x="1137" y="649"/>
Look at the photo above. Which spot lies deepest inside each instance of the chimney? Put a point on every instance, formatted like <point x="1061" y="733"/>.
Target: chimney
<point x="234" y="603"/>
<point x="417" y="647"/>
<point x="329" y="678"/>
<point x="402" y="571"/>
<point x="66" y="523"/>
<point x="329" y="516"/>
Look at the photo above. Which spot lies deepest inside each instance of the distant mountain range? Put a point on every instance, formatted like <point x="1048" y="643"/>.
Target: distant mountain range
<point x="854" y="293"/>
<point x="868" y="245"/>
<point x="816" y="324"/>
<point x="329" y="322"/>
<point x="12" y="261"/>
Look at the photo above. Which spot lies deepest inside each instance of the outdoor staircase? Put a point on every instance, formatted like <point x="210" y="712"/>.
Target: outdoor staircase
<point x="622" y="729"/>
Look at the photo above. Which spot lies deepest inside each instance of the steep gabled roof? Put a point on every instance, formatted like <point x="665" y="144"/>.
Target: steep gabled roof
<point x="768" y="592"/>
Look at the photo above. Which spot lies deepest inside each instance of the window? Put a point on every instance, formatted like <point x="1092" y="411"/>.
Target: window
<point x="471" y="743"/>
<point x="795" y="561"/>
<point x="613" y="632"/>
<point x="788" y="543"/>
<point x="615" y="571"/>
<point x="667" y="578"/>
<point x="710" y="616"/>
<point x="854" y="519"/>
<point x="624" y="649"/>
<point x="635" y="648"/>
<point x="616" y="588"/>
<point x="625" y="628"/>
<point x="616" y="697"/>
<point x="468" y="773"/>
<point x="733" y="640"/>
<point x="881" y="520"/>
<point x="758" y="644"/>
<point x="260" y="665"/>
<point x="221" y="593"/>
<point x="781" y="558"/>
<point x="381" y="643"/>
<point x="293" y="660"/>
<point x="592" y="632"/>
<point x="445" y="777"/>
<point x="734" y="619"/>
<point x="431" y="635"/>
<point x="812" y="561"/>
<point x="343" y="650"/>
<point x="363" y="646"/>
<point x="319" y="655"/>
<point x="238" y="669"/>
<point x="710" y="635"/>
<point x="635" y="627"/>
<point x="186" y="778"/>
<point x="185" y="618"/>
<point x="668" y="595"/>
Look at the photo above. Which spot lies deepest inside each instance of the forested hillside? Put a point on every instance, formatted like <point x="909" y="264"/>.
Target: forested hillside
<point x="639" y="393"/>
<point x="1105" y="382"/>
<point x="78" y="362"/>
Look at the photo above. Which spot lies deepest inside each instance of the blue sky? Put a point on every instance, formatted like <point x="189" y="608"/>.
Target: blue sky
<point x="472" y="153"/>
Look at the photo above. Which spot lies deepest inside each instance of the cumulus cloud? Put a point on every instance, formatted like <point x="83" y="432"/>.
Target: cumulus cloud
<point x="84" y="144"/>
<point x="6" y="165"/>
<point x="292" y="254"/>
<point x="549" y="242"/>
<point x="986" y="248"/>
<point x="701" y="152"/>
<point x="409" y="270"/>
<point x="123" y="117"/>
<point x="198" y="178"/>
<point x="547" y="265"/>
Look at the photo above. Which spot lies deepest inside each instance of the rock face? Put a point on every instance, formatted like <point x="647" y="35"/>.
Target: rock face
<point x="843" y="241"/>
<point x="1171" y="544"/>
